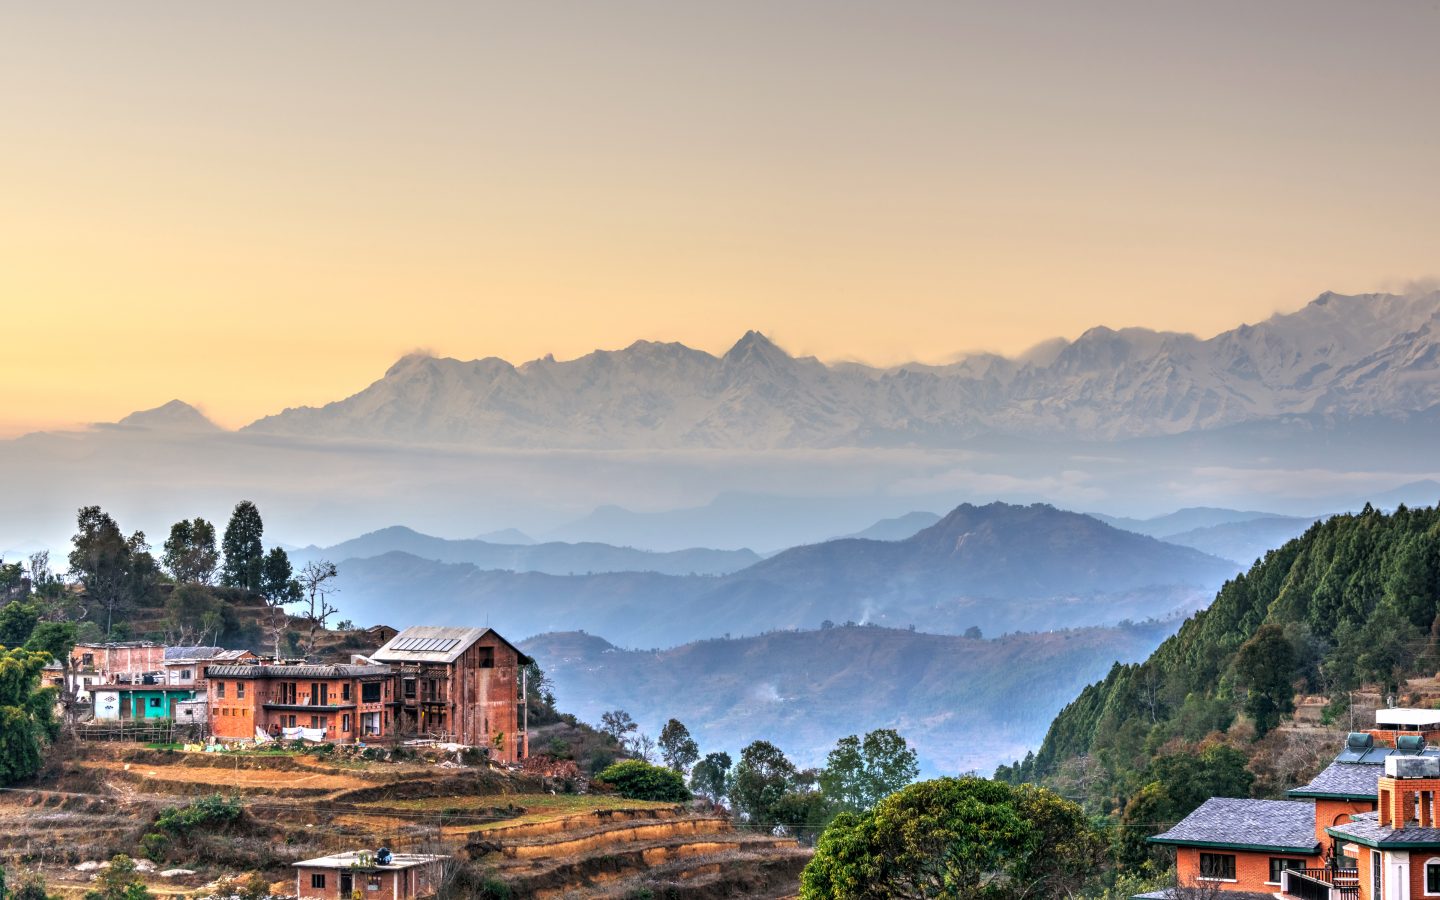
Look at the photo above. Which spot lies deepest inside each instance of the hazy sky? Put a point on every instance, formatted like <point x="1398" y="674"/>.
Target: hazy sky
<point x="251" y="206"/>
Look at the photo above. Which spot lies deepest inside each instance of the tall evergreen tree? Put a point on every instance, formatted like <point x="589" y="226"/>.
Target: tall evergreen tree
<point x="244" y="549"/>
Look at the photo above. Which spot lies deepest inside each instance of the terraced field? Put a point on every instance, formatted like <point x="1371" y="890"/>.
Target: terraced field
<point x="504" y="825"/>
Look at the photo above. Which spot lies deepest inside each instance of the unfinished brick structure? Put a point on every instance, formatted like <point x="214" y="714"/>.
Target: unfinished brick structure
<point x="348" y="703"/>
<point x="465" y="685"/>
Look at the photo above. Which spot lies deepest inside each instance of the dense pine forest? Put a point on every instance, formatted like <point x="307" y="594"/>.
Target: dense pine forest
<point x="1353" y="602"/>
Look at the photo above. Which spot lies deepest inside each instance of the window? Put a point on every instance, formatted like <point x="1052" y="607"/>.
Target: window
<point x="372" y="883"/>
<point x="317" y="880"/>
<point x="1376" y="865"/>
<point x="154" y="702"/>
<point x="1217" y="866"/>
<point x="239" y="690"/>
<point x="87" y="660"/>
<point x="1432" y="876"/>
<point x="370" y="692"/>
<point x="345" y="723"/>
<point x="187" y="675"/>
<point x="220" y="689"/>
<point x="487" y="657"/>
<point x="1278" y="865"/>
<point x="409" y="689"/>
<point x="345" y="691"/>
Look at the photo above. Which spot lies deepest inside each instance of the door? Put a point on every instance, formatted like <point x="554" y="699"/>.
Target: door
<point x="347" y="885"/>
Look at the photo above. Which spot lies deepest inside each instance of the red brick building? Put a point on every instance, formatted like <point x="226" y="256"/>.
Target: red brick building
<point x="341" y="703"/>
<point x="465" y="685"/>
<point x="403" y="876"/>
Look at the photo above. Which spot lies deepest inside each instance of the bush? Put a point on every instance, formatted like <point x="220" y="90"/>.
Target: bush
<point x="155" y="845"/>
<point x="212" y="812"/>
<point x="638" y="780"/>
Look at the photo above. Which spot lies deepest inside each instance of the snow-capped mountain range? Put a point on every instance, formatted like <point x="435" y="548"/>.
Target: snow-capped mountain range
<point x="1339" y="356"/>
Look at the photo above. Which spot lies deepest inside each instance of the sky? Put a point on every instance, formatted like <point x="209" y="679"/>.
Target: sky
<point x="254" y="206"/>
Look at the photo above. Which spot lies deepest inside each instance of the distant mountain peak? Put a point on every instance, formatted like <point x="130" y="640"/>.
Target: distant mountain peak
<point x="1339" y="357"/>
<point x="176" y="415"/>
<point x="755" y="344"/>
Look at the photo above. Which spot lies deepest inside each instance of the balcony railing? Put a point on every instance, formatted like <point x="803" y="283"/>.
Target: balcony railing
<point x="1321" y="884"/>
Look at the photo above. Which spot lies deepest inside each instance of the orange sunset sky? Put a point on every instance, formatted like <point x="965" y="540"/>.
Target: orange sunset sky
<point x="253" y="206"/>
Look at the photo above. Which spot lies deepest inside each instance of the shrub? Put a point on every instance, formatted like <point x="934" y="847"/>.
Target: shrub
<point x="210" y="812"/>
<point x="638" y="780"/>
<point x="155" y="845"/>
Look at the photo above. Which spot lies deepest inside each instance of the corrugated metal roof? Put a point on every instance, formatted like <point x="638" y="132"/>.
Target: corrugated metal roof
<point x="176" y="653"/>
<point x="341" y="671"/>
<point x="429" y="643"/>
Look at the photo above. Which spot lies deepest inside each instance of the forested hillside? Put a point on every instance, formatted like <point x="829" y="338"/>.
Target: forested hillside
<point x="1351" y="602"/>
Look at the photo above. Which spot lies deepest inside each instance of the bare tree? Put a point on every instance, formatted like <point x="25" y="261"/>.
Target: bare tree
<point x="642" y="746"/>
<point x="317" y="584"/>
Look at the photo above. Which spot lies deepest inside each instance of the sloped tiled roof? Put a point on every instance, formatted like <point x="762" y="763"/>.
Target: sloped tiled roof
<point x="1233" y="822"/>
<point x="1349" y="780"/>
<point x="1170" y="893"/>
<point x="1366" y="829"/>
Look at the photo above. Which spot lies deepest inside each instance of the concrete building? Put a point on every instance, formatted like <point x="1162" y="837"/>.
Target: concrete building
<point x="465" y="685"/>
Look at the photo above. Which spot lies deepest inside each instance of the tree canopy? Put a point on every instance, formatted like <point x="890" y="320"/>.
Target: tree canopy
<point x="244" y="548"/>
<point x="677" y="747"/>
<point x="27" y="714"/>
<point x="956" y="839"/>
<point x="861" y="772"/>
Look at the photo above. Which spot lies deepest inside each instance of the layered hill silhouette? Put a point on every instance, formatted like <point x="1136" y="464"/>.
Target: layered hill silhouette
<point x="554" y="558"/>
<point x="999" y="567"/>
<point x="952" y="697"/>
<point x="1339" y="356"/>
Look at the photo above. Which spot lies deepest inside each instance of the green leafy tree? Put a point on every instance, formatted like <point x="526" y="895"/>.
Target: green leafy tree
<point x="677" y="747"/>
<point x="27" y="717"/>
<point x="956" y="838"/>
<point x="54" y="639"/>
<point x="192" y="614"/>
<point x="243" y="546"/>
<point x="860" y="773"/>
<point x="189" y="553"/>
<point x="638" y="780"/>
<point x="17" y="621"/>
<point x="1266" y="666"/>
<point x="762" y="777"/>
<point x="711" y="777"/>
<point x="119" y="881"/>
<point x="115" y="571"/>
<point x="277" y="578"/>
<point x="279" y="587"/>
<point x="1175" y="784"/>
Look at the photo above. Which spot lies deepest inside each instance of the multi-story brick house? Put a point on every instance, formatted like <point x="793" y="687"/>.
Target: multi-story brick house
<point x="1365" y="828"/>
<point x="465" y="685"/>
<point x="340" y="703"/>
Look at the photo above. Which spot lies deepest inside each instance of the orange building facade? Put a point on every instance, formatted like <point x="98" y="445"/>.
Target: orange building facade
<point x="340" y="704"/>
<point x="1351" y="833"/>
